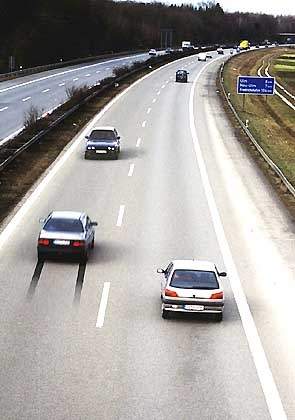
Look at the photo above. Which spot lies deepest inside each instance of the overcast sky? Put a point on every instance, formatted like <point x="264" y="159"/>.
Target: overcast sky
<point x="272" y="7"/>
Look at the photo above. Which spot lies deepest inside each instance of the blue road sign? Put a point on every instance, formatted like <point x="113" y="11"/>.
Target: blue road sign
<point x="255" y="85"/>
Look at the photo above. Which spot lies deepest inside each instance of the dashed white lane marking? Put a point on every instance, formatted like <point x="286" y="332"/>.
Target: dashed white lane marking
<point x="154" y="100"/>
<point x="26" y="99"/>
<point x="163" y="86"/>
<point x="138" y="142"/>
<point x="108" y="68"/>
<point x="264" y="373"/>
<point x="103" y="304"/>
<point x="87" y="75"/>
<point x="120" y="215"/>
<point x="45" y="90"/>
<point x="4" y="108"/>
<point x="75" y="78"/>
<point x="98" y="71"/>
<point x="61" y="84"/>
<point x="131" y="169"/>
<point x="158" y="93"/>
<point x="148" y="110"/>
<point x="143" y="124"/>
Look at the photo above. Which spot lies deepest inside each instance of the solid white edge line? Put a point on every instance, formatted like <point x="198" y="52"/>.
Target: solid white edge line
<point x="138" y="142"/>
<point x="267" y="382"/>
<point x="57" y="165"/>
<point x="10" y="136"/>
<point x="131" y="169"/>
<point x="4" y="108"/>
<point x="120" y="215"/>
<point x="103" y="305"/>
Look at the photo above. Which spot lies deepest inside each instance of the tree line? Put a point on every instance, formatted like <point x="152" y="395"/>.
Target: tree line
<point x="38" y="32"/>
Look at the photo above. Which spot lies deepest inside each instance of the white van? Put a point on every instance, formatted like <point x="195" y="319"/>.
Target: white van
<point x="202" y="56"/>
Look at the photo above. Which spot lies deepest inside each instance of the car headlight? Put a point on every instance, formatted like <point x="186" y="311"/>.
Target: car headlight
<point x="88" y="148"/>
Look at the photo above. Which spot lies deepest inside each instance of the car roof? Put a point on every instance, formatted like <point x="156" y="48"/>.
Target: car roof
<point x="67" y="215"/>
<point x="104" y="128"/>
<point x="180" y="70"/>
<point x="194" y="265"/>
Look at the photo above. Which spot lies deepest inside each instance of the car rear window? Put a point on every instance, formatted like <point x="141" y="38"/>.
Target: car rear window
<point x="194" y="279"/>
<point x="64" y="225"/>
<point x="106" y="135"/>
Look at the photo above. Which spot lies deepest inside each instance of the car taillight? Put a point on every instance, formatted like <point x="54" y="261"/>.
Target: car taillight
<point x="170" y="293"/>
<point x="78" y="243"/>
<point x="44" y="242"/>
<point x="218" y="295"/>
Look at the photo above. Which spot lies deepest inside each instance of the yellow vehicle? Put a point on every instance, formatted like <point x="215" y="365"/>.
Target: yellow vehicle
<point x="244" y="45"/>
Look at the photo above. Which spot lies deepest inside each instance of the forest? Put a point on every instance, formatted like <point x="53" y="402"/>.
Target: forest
<point x="37" y="32"/>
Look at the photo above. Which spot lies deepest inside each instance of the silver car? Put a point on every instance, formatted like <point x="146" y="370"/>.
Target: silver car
<point x="66" y="233"/>
<point x="192" y="286"/>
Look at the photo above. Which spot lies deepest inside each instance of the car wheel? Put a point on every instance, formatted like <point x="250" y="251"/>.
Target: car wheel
<point x="85" y="155"/>
<point x="41" y="257"/>
<point x="219" y="317"/>
<point x="164" y="313"/>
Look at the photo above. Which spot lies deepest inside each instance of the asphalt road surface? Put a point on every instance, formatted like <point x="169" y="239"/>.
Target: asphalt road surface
<point x="89" y="342"/>
<point x="47" y="90"/>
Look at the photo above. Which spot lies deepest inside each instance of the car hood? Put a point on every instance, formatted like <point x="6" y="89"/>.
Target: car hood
<point x="62" y="235"/>
<point x="101" y="143"/>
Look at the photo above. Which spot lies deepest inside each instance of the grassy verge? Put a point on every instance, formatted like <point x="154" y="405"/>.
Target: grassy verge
<point x="270" y="120"/>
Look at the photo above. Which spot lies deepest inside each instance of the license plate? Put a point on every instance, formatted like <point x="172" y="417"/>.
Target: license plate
<point x="61" y="242"/>
<point x="100" y="151"/>
<point x="194" y="307"/>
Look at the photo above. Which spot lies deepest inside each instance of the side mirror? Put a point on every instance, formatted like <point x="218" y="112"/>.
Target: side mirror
<point x="93" y="224"/>
<point x="187" y="72"/>
<point x="222" y="274"/>
<point x="160" y="271"/>
<point x="118" y="137"/>
<point x="87" y="137"/>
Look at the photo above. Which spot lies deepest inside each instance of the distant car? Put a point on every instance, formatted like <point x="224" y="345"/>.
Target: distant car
<point x="181" y="76"/>
<point x="209" y="54"/>
<point x="102" y="141"/>
<point x="257" y="46"/>
<point x="202" y="56"/>
<point x="231" y="51"/>
<point x="152" y="52"/>
<point x="192" y="286"/>
<point x="169" y="51"/>
<point x="220" y="50"/>
<point x="66" y="233"/>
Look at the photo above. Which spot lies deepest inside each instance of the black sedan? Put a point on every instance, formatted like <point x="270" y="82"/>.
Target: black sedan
<point x="181" y="76"/>
<point x="102" y="142"/>
<point x="66" y="233"/>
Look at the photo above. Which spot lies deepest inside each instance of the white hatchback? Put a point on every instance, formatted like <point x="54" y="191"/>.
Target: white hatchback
<point x="192" y="286"/>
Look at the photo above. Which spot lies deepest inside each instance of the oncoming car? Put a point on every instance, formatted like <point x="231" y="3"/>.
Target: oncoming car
<point x="202" y="56"/>
<point x="66" y="233"/>
<point x="181" y="76"/>
<point x="192" y="286"/>
<point x="152" y="51"/>
<point x="220" y="50"/>
<point x="102" y="141"/>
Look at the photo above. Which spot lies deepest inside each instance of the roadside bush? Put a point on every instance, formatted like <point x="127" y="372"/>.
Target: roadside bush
<point x="31" y="116"/>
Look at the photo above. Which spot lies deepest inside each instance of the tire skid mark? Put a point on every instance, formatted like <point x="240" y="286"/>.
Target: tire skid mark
<point x="35" y="279"/>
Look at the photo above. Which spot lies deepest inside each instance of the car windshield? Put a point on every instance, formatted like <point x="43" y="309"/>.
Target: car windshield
<point x="105" y="135"/>
<point x="194" y="279"/>
<point x="64" y="225"/>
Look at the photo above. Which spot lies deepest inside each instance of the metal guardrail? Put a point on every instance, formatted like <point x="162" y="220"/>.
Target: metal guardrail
<point x="272" y="165"/>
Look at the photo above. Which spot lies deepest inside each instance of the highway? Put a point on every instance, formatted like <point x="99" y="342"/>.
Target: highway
<point x="47" y="90"/>
<point x="89" y="342"/>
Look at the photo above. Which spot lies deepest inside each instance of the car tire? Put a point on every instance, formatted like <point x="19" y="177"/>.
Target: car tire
<point x="219" y="317"/>
<point x="41" y="257"/>
<point x="165" y="314"/>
